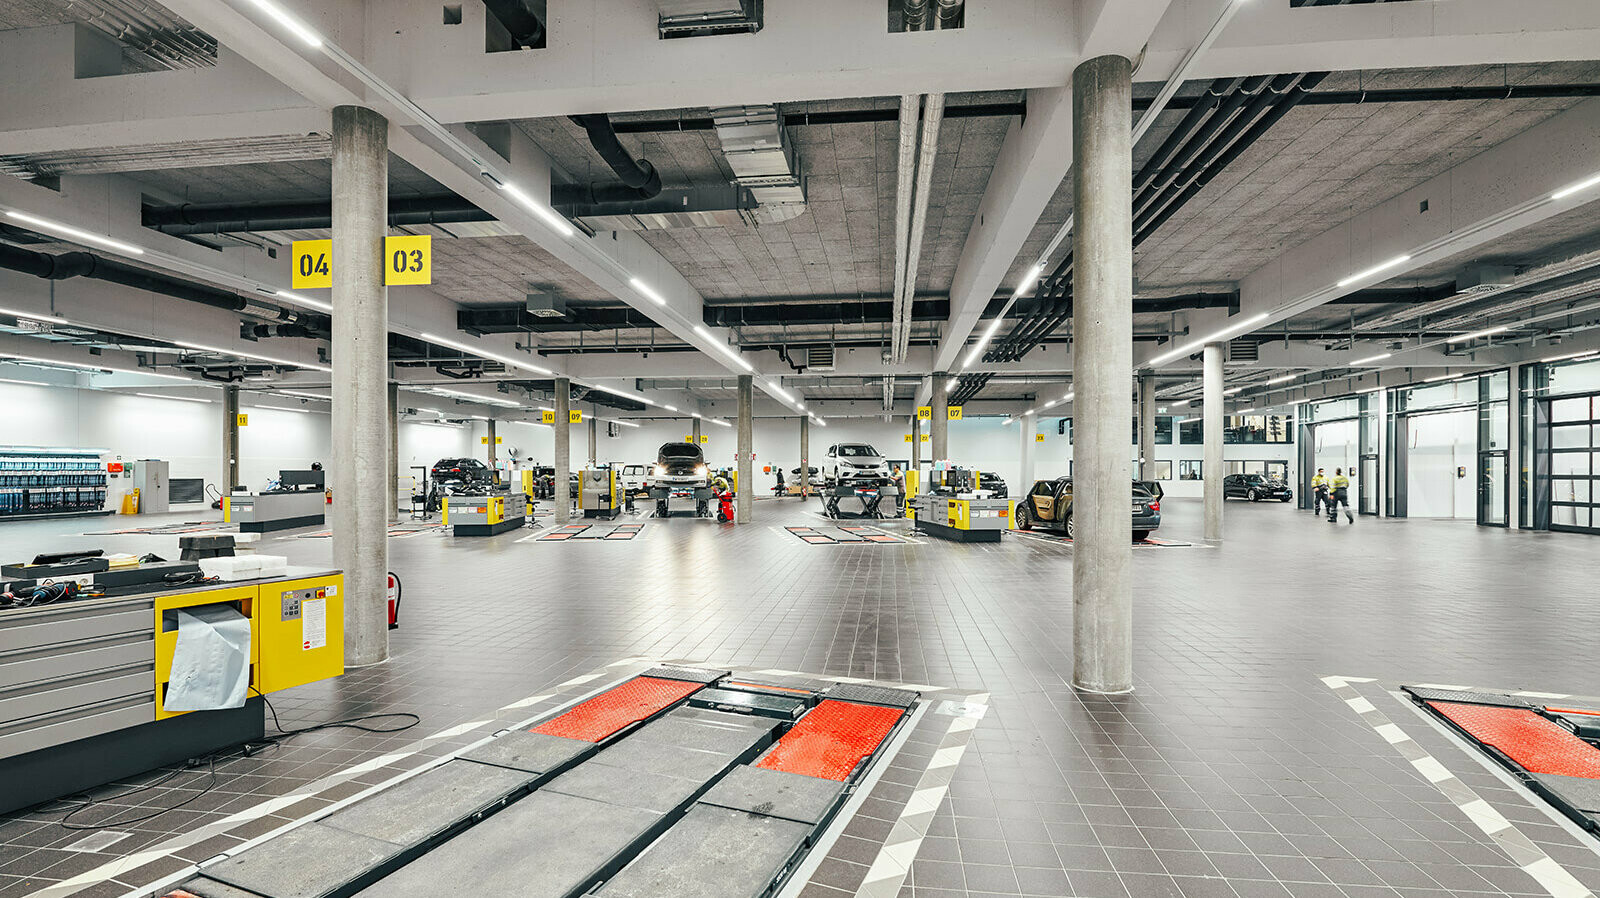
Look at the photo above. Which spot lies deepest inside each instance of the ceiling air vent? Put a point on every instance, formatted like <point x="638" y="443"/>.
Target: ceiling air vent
<point x="703" y="18"/>
<point x="1243" y="350"/>
<point x="1484" y="278"/>
<point x="546" y="305"/>
<point x="819" y="358"/>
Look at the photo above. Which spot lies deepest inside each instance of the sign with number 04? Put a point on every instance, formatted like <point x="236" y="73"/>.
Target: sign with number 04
<point x="406" y="260"/>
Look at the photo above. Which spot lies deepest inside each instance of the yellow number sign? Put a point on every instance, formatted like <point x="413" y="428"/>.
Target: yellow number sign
<point x="953" y="412"/>
<point x="1038" y="438"/>
<point x="313" y="264"/>
<point x="547" y="417"/>
<point x="924" y="438"/>
<point x="908" y="437"/>
<point x="575" y="416"/>
<point x="407" y="260"/>
<point x="244" y="419"/>
<point x="704" y="438"/>
<point x="925" y="413"/>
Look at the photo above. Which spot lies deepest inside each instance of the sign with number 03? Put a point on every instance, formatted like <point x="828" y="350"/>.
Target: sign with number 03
<point x="407" y="260"/>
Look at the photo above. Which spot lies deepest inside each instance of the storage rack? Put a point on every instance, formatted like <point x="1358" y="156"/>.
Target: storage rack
<point x="41" y="481"/>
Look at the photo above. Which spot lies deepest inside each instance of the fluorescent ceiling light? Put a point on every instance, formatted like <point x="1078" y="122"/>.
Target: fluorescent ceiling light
<point x="290" y="23"/>
<point x="818" y="421"/>
<point x="1030" y="278"/>
<point x="1220" y="335"/>
<point x="781" y="391"/>
<point x="1476" y="334"/>
<point x="555" y="221"/>
<point x="431" y="411"/>
<point x="1368" y="360"/>
<point x="727" y="350"/>
<point x="436" y="424"/>
<point x="719" y="421"/>
<point x="625" y="394"/>
<point x="1232" y="391"/>
<point x="317" y="304"/>
<point x="474" y="398"/>
<point x="1434" y="380"/>
<point x="77" y="234"/>
<point x="951" y="383"/>
<point x="801" y="406"/>
<point x="484" y="353"/>
<point x="1245" y="411"/>
<point x="283" y="408"/>
<point x="90" y="368"/>
<point x="670" y="408"/>
<point x="1579" y="187"/>
<point x="696" y="414"/>
<point x="647" y="290"/>
<point x="1368" y="390"/>
<point x="1376" y="269"/>
<point x="30" y="383"/>
<point x="983" y="343"/>
<point x="174" y="398"/>
<point x="1069" y="397"/>
<point x="1282" y="379"/>
<point x="1570" y="355"/>
<point x="251" y="355"/>
<point x="620" y="421"/>
<point x="305" y="395"/>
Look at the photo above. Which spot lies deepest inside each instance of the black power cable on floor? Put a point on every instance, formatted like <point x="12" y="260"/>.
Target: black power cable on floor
<point x="210" y="762"/>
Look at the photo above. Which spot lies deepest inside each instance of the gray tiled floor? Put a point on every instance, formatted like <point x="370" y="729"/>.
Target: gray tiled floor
<point x="1232" y="771"/>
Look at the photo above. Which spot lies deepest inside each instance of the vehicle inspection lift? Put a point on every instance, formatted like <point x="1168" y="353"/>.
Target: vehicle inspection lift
<point x="663" y="496"/>
<point x="677" y="783"/>
<point x="870" y="497"/>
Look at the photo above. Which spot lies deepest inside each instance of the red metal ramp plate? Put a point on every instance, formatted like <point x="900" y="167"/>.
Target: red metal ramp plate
<point x="830" y="741"/>
<point x="610" y="711"/>
<point x="1536" y="744"/>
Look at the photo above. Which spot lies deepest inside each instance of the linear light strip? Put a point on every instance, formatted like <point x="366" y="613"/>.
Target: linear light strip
<point x="76" y="234"/>
<point x="484" y="353"/>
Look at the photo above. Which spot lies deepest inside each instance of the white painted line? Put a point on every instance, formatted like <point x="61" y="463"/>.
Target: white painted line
<point x="525" y="702"/>
<point x="1542" y="694"/>
<point x="578" y="680"/>
<point x="1432" y="769"/>
<point x="1359" y="705"/>
<point x="1391" y="733"/>
<point x="1556" y="880"/>
<point x="457" y="730"/>
<point x="1488" y="819"/>
<point x="1446" y="687"/>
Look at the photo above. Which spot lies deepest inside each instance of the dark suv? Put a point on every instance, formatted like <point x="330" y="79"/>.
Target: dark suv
<point x="461" y="470"/>
<point x="1254" y="487"/>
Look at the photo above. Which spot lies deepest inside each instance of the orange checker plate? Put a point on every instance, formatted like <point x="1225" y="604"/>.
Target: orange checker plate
<point x="610" y="711"/>
<point x="830" y="741"/>
<point x="1537" y="744"/>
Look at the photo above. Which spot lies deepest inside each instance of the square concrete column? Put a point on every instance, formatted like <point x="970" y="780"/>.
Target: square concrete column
<point x="594" y="438"/>
<point x="939" y="427"/>
<point x="1029" y="429"/>
<point x="489" y="452"/>
<point x="394" y="451"/>
<point x="362" y="485"/>
<point x="694" y="431"/>
<point x="805" y="456"/>
<point x="916" y="448"/>
<point x="1102" y="345"/>
<point x="1211" y="449"/>
<point x="230" y="439"/>
<point x="1147" y="427"/>
<point x="561" y="498"/>
<point x="746" y="497"/>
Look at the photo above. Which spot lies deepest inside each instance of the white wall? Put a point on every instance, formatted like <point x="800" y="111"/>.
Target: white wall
<point x="1436" y="447"/>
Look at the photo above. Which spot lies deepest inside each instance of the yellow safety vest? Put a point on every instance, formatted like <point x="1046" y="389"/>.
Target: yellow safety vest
<point x="1319" y="480"/>
<point x="1341" y="482"/>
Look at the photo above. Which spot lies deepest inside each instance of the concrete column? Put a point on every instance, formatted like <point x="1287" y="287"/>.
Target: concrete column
<point x="489" y="451"/>
<point x="394" y="450"/>
<point x="1102" y="327"/>
<point x="746" y="498"/>
<point x="1147" y="426"/>
<point x="594" y="438"/>
<point x="230" y="439"/>
<point x="805" y="456"/>
<point x="694" y="431"/>
<point x="1029" y="427"/>
<point x="362" y="489"/>
<point x="940" y="425"/>
<point x="1211" y="454"/>
<point x="563" y="462"/>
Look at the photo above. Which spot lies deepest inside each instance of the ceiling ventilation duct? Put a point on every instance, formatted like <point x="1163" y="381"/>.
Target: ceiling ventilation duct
<point x="546" y="305"/>
<point x="763" y="161"/>
<point x="1484" y="278"/>
<point x="1244" y="349"/>
<point x="703" y="18"/>
<point x="819" y="358"/>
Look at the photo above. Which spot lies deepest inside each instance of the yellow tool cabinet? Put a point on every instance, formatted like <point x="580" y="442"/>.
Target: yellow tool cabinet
<point x="296" y="631"/>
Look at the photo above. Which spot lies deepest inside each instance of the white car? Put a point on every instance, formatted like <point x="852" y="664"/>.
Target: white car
<point x="846" y="462"/>
<point x="633" y="477"/>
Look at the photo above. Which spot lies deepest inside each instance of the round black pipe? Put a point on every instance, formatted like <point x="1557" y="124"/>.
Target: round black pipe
<point x="638" y="174"/>
<point x="524" y="27"/>
<point x="309" y="214"/>
<point x="89" y="265"/>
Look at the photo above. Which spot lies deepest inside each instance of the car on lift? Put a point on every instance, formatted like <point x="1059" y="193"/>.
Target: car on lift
<point x="679" y="465"/>
<point x="1255" y="487"/>
<point x="853" y="462"/>
<point x="461" y="470"/>
<point x="1049" y="504"/>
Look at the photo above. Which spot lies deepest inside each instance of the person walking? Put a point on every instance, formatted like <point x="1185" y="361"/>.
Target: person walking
<point x="898" y="477"/>
<point x="1340" y="487"/>
<point x="1319" y="492"/>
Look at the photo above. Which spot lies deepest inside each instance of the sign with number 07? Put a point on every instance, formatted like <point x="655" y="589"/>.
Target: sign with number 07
<point x="406" y="260"/>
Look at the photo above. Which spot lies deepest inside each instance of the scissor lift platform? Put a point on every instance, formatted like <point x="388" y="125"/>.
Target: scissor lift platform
<point x="676" y="783"/>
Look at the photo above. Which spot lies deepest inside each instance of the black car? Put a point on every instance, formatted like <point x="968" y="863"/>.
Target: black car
<point x="993" y="483"/>
<point x="461" y="470"/>
<point x="1254" y="487"/>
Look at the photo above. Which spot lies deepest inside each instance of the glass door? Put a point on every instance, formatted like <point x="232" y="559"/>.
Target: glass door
<point x="1492" y="489"/>
<point x="1369" y="484"/>
<point x="1567" y="463"/>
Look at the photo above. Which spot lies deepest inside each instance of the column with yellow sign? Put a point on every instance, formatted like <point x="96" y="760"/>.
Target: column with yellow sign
<point x="407" y="258"/>
<point x="939" y="424"/>
<point x="561" y="417"/>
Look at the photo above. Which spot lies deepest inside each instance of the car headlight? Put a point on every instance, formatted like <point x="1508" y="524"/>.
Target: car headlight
<point x="700" y="469"/>
<point x="659" y="470"/>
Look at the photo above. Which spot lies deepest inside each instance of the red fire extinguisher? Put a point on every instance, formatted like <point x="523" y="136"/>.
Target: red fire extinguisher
<point x="394" y="601"/>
